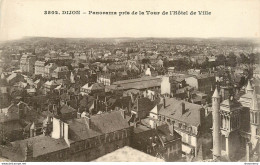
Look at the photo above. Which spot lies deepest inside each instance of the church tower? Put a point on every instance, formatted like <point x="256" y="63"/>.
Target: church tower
<point x="216" y="124"/>
<point x="254" y="120"/>
<point x="230" y="125"/>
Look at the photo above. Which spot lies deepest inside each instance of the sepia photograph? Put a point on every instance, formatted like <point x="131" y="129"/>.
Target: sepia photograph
<point x="130" y="81"/>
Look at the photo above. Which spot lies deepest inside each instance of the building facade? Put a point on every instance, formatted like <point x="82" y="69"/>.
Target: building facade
<point x="27" y="62"/>
<point x="39" y="68"/>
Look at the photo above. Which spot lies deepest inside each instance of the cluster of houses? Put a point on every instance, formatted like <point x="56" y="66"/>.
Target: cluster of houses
<point x="55" y="112"/>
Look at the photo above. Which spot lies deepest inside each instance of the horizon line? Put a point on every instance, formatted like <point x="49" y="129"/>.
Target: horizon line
<point x="205" y="38"/>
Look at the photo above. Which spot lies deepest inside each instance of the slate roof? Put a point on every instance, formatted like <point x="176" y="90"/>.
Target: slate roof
<point x="41" y="145"/>
<point x="173" y="110"/>
<point x="139" y="83"/>
<point x="9" y="114"/>
<point x="95" y="86"/>
<point x="66" y="109"/>
<point x="229" y="105"/>
<point x="100" y="124"/>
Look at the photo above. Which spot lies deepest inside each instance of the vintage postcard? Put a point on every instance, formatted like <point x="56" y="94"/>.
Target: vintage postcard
<point x="129" y="81"/>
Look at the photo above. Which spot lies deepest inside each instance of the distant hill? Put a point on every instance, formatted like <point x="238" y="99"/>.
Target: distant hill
<point x="186" y="40"/>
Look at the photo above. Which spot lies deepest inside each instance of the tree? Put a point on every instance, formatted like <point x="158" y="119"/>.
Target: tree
<point x="221" y="60"/>
<point x="146" y="61"/>
<point x="244" y="59"/>
<point x="232" y="59"/>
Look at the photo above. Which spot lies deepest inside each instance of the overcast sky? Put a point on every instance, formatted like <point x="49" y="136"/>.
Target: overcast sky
<point x="229" y="18"/>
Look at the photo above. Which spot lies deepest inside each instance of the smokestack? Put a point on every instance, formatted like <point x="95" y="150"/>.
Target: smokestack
<point x="182" y="108"/>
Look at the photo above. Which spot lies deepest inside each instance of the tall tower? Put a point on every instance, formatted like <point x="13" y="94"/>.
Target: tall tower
<point x="229" y="125"/>
<point x="216" y="124"/>
<point x="249" y="88"/>
<point x="254" y="120"/>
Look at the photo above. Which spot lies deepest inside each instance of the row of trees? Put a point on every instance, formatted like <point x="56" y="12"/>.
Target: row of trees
<point x="233" y="60"/>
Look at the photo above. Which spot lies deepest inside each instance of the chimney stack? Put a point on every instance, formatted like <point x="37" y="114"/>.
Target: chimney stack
<point x="66" y="133"/>
<point x="183" y="108"/>
<point x="78" y="114"/>
<point x="28" y="152"/>
<point x="123" y="113"/>
<point x="88" y="121"/>
<point x="171" y="128"/>
<point x="164" y="102"/>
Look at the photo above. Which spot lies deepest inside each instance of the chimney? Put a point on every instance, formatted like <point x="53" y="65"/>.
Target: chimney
<point x="66" y="133"/>
<point x="88" y="121"/>
<point x="182" y="108"/>
<point x="28" y="152"/>
<point x="49" y="108"/>
<point x="78" y="114"/>
<point x="57" y="128"/>
<point x="171" y="129"/>
<point x="155" y="125"/>
<point x="164" y="102"/>
<point x="202" y="114"/>
<point x="248" y="151"/>
<point x="123" y="113"/>
<point x="137" y="102"/>
<point x="32" y="130"/>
